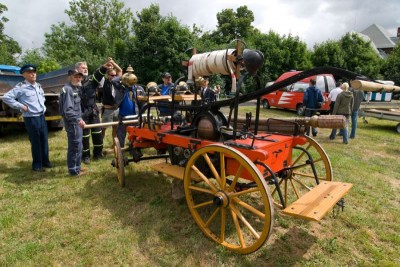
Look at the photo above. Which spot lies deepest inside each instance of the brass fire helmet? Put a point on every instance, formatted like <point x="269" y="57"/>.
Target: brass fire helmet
<point x="129" y="79"/>
<point x="200" y="81"/>
<point x="182" y="86"/>
<point x="152" y="88"/>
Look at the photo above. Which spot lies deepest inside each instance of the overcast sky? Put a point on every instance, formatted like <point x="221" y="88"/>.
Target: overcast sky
<point x="314" y="21"/>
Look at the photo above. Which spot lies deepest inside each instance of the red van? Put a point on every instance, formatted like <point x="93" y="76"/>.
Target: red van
<point x="291" y="97"/>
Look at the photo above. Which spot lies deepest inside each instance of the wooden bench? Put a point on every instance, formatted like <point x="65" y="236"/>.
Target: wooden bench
<point x="315" y="204"/>
<point x="173" y="170"/>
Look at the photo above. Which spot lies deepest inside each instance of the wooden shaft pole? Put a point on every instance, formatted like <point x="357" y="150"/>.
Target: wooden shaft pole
<point x="105" y="124"/>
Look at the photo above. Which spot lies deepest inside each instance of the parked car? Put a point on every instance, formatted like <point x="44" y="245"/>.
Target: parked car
<point x="291" y="97"/>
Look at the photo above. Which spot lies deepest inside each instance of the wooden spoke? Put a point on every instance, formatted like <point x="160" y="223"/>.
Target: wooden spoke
<point x="303" y="173"/>
<point x="119" y="162"/>
<point x="240" y="220"/>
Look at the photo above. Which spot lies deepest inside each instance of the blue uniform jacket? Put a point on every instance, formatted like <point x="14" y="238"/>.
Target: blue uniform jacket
<point x="25" y="93"/>
<point x="70" y="103"/>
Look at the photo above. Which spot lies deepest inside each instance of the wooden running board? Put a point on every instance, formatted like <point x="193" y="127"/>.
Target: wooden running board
<point x="173" y="171"/>
<point x="315" y="204"/>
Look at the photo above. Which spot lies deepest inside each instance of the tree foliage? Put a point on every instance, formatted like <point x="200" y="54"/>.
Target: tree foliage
<point x="328" y="53"/>
<point x="8" y="46"/>
<point x="44" y="64"/>
<point x="100" y="28"/>
<point x="359" y="56"/>
<point x="158" y="45"/>
<point x="282" y="53"/>
<point x="232" y="25"/>
<point x="392" y="65"/>
<point x="152" y="43"/>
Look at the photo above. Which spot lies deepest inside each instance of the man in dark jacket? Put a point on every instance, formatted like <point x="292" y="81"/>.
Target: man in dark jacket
<point x="90" y="111"/>
<point x="70" y="109"/>
<point x="207" y="94"/>
<point x="312" y="96"/>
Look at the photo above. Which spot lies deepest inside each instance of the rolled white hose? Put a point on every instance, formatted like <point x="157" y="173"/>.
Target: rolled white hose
<point x="215" y="62"/>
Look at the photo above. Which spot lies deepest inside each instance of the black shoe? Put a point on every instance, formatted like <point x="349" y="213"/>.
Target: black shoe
<point x="39" y="170"/>
<point x="314" y="134"/>
<point x="86" y="160"/>
<point x="48" y="165"/>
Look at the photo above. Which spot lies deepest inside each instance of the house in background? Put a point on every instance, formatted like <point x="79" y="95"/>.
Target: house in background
<point x="380" y="39"/>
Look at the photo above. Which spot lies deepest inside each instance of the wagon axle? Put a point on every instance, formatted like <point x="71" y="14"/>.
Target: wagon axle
<point x="221" y="199"/>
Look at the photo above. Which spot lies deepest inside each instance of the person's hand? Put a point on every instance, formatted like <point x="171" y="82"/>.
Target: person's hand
<point x="109" y="64"/>
<point x="110" y="60"/>
<point x="82" y="124"/>
<point x="25" y="108"/>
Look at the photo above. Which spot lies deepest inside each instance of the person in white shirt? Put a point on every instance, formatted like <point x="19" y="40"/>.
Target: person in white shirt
<point x="333" y="95"/>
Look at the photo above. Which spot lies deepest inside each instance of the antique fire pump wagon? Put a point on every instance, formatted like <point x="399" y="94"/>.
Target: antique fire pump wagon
<point x="236" y="171"/>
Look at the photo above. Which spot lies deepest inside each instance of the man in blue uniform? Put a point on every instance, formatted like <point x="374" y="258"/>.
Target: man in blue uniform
<point x="70" y="109"/>
<point x="28" y="97"/>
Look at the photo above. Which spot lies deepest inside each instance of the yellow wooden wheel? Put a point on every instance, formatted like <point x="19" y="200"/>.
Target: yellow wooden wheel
<point x="234" y="212"/>
<point x="119" y="162"/>
<point x="308" y="161"/>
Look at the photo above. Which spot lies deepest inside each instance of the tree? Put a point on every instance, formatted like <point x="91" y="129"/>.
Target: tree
<point x="392" y="65"/>
<point x="158" y="45"/>
<point x="100" y="29"/>
<point x="232" y="25"/>
<point x="359" y="56"/>
<point x="44" y="64"/>
<point x="328" y="53"/>
<point x="8" y="47"/>
<point x="2" y="19"/>
<point x="281" y="53"/>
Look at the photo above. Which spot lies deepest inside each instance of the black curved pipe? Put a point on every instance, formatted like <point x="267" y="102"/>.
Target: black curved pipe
<point x="269" y="89"/>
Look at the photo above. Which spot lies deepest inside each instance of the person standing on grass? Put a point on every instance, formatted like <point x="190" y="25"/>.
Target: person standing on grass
<point x="312" y="96"/>
<point x="28" y="97"/>
<point x="333" y="95"/>
<point x="90" y="110"/>
<point x="126" y="99"/>
<point x="358" y="97"/>
<point x="109" y="112"/>
<point x="343" y="106"/>
<point x="70" y="110"/>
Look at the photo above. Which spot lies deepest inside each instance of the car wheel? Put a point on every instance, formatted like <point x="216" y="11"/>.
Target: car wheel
<point x="300" y="110"/>
<point x="265" y="104"/>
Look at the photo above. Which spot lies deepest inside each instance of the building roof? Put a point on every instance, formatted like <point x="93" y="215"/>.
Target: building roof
<point x="379" y="36"/>
<point x="366" y="38"/>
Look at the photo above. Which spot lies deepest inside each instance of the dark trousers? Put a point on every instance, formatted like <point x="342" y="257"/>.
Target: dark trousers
<point x="310" y="113"/>
<point x="38" y="136"/>
<point x="331" y="107"/>
<point x="74" y="154"/>
<point x="121" y="132"/>
<point x="97" y="139"/>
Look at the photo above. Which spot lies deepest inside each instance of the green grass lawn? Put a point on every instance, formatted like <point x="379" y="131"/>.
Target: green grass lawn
<point x="52" y="219"/>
